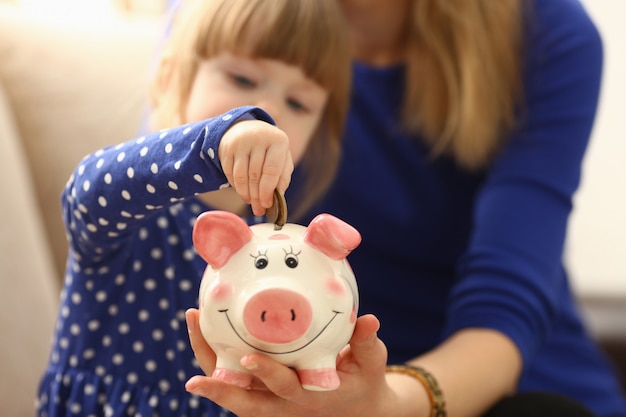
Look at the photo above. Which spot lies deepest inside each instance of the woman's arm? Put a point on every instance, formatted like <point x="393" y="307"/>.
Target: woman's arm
<point x="474" y="368"/>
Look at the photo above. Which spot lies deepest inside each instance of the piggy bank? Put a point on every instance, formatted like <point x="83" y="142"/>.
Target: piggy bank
<point x="287" y="293"/>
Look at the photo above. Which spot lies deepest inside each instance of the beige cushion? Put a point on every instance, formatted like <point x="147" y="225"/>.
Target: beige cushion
<point x="65" y="90"/>
<point x="28" y="290"/>
<point x="74" y="87"/>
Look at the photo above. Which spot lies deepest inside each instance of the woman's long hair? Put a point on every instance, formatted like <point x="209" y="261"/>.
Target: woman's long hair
<point x="464" y="75"/>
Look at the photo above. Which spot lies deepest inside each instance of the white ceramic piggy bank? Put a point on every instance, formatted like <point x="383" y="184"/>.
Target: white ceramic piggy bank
<point x="287" y="293"/>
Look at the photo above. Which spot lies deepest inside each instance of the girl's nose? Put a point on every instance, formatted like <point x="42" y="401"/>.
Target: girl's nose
<point x="271" y="106"/>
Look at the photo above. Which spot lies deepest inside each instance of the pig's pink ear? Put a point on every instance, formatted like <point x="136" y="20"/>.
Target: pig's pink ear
<point x="217" y="235"/>
<point x="334" y="237"/>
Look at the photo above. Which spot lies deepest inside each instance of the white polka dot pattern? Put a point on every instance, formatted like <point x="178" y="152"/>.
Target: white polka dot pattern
<point x="121" y="346"/>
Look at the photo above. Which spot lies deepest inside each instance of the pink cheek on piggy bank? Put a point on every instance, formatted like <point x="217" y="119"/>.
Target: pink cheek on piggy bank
<point x="335" y="287"/>
<point x="220" y="290"/>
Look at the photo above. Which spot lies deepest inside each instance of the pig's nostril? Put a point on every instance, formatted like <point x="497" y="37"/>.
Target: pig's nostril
<point x="293" y="315"/>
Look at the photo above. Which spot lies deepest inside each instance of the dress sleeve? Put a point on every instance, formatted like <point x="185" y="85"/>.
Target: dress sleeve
<point x="511" y="278"/>
<point x="113" y="190"/>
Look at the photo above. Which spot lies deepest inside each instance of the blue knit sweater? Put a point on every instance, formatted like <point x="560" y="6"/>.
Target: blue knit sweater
<point x="444" y="249"/>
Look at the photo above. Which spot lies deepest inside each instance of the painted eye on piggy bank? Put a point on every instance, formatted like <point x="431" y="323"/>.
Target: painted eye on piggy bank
<point x="287" y="293"/>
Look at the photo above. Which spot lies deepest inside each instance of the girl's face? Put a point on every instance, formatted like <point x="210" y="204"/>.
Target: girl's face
<point x="227" y="81"/>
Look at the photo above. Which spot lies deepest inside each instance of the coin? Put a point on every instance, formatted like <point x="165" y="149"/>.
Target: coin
<point x="277" y="214"/>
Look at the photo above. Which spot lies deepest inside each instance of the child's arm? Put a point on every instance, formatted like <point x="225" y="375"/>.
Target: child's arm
<point x="114" y="189"/>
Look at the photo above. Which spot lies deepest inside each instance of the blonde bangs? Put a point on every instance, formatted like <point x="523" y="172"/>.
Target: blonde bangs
<point x="303" y="33"/>
<point x="310" y="34"/>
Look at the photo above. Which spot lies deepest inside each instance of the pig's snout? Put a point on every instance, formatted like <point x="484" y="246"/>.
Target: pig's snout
<point x="277" y="315"/>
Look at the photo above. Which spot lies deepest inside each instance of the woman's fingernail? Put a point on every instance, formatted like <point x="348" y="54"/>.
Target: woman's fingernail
<point x="193" y="386"/>
<point x="191" y="324"/>
<point x="248" y="363"/>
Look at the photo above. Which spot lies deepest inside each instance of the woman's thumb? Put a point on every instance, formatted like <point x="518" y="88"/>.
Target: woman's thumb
<point x="364" y="342"/>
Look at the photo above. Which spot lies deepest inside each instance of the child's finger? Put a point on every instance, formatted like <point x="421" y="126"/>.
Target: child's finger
<point x="276" y="166"/>
<point x="240" y="179"/>
<point x="285" y="178"/>
<point x="256" y="167"/>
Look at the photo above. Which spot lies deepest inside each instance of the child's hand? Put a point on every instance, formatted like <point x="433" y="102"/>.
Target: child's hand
<point x="256" y="159"/>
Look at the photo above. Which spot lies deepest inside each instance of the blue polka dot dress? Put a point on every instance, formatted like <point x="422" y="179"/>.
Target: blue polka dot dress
<point x="121" y="346"/>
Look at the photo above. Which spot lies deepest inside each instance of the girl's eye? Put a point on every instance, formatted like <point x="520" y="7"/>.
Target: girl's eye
<point x="242" y="81"/>
<point x="296" y="106"/>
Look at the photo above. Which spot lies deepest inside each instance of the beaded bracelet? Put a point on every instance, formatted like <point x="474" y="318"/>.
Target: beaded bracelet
<point x="435" y="395"/>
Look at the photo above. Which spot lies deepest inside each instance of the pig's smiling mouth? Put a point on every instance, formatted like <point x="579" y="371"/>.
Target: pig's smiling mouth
<point x="335" y="314"/>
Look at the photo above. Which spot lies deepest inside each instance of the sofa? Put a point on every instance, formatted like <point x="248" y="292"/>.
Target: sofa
<point x="68" y="87"/>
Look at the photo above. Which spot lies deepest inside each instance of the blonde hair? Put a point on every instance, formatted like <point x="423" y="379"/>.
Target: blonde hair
<point x="310" y="34"/>
<point x="464" y="76"/>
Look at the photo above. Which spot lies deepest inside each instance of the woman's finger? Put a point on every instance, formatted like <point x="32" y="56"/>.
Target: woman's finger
<point x="279" y="379"/>
<point x="203" y="352"/>
<point x="365" y="352"/>
<point x="241" y="401"/>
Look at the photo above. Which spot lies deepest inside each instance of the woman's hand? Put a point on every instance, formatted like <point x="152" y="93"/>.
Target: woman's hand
<point x="276" y="390"/>
<point x="256" y="160"/>
<point x="203" y="352"/>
